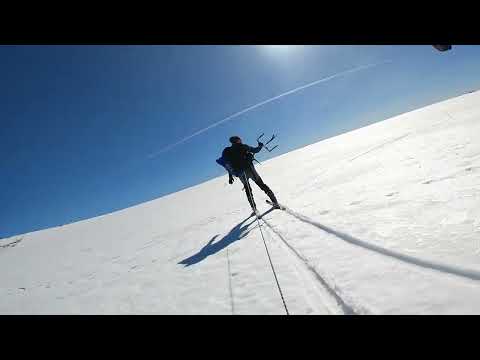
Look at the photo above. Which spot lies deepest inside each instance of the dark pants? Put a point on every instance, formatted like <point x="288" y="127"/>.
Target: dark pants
<point x="251" y="173"/>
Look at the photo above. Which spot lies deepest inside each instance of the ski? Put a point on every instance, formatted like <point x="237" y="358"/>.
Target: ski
<point x="277" y="206"/>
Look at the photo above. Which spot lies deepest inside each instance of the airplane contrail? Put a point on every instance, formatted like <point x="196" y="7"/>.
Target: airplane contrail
<point x="230" y="117"/>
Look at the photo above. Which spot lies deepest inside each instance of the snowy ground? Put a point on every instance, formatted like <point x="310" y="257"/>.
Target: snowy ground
<point x="381" y="220"/>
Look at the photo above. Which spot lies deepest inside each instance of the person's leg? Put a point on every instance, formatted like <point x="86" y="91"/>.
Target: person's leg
<point x="248" y="190"/>
<point x="258" y="180"/>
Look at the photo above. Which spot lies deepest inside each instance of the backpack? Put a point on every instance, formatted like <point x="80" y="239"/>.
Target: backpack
<point x="222" y="162"/>
<point x="234" y="163"/>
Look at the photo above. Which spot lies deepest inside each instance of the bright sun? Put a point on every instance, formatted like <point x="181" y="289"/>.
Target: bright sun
<point x="279" y="47"/>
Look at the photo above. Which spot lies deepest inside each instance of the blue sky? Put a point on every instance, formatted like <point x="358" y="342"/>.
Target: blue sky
<point x="78" y="123"/>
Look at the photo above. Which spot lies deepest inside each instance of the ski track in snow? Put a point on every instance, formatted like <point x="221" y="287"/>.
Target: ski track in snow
<point x="330" y="290"/>
<point x="349" y="159"/>
<point x="388" y="142"/>
<point x="11" y="244"/>
<point x="443" y="268"/>
<point x="230" y="288"/>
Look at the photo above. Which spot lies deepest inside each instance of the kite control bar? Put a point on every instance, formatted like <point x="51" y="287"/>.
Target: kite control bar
<point x="268" y="142"/>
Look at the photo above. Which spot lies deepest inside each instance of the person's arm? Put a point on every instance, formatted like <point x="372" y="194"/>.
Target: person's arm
<point x="255" y="149"/>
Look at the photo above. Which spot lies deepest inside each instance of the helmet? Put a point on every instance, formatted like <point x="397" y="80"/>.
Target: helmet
<point x="235" y="139"/>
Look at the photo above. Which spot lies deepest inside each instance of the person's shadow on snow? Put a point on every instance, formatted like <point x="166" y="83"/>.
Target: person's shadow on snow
<point x="237" y="233"/>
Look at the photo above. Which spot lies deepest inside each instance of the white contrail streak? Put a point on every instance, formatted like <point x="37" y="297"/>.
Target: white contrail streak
<point x="228" y="118"/>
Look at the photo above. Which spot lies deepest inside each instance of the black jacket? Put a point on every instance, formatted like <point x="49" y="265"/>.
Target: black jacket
<point x="240" y="156"/>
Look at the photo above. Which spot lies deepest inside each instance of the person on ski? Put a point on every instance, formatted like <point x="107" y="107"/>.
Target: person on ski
<point x="237" y="159"/>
